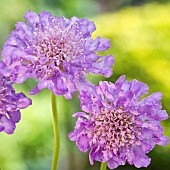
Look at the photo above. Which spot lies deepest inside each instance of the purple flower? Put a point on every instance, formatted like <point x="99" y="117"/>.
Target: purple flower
<point x="56" y="51"/>
<point x="119" y="126"/>
<point x="10" y="105"/>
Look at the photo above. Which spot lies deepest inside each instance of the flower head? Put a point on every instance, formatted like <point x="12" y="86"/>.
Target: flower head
<point x="10" y="105"/>
<point x="119" y="127"/>
<point x="56" y="51"/>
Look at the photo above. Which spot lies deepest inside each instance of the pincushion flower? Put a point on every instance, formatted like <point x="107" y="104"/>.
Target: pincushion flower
<point x="117" y="125"/>
<point x="10" y="105"/>
<point x="56" y="51"/>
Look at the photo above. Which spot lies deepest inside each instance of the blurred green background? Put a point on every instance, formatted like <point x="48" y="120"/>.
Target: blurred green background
<point x="139" y="31"/>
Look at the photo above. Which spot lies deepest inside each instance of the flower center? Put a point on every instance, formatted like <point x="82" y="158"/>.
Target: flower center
<point x="56" y="43"/>
<point x="114" y="129"/>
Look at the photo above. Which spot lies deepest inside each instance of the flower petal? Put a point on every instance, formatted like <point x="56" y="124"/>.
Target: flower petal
<point x="83" y="143"/>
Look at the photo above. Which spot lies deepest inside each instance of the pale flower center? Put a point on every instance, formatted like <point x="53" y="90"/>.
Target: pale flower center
<point x="114" y="129"/>
<point x="54" y="45"/>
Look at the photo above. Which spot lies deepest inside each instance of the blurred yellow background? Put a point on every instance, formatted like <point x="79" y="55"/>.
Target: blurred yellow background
<point x="140" y="37"/>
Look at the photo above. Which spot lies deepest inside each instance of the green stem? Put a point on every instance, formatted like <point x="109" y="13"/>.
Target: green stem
<point x="103" y="166"/>
<point x="56" y="133"/>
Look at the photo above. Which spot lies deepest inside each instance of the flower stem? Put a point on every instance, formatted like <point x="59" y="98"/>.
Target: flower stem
<point x="56" y="133"/>
<point x="103" y="166"/>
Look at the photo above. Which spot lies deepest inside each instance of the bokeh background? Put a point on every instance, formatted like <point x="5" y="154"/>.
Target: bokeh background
<point x="139" y="31"/>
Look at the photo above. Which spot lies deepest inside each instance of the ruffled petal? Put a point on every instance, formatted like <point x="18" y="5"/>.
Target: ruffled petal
<point x="138" y="88"/>
<point x="45" y="18"/>
<point x="31" y="17"/>
<point x="102" y="67"/>
<point x="161" y="115"/>
<point x="163" y="140"/>
<point x="112" y="164"/>
<point x="143" y="161"/>
<point x="86" y="26"/>
<point x="24" y="102"/>
<point x="15" y="116"/>
<point x="9" y="126"/>
<point x="83" y="143"/>
<point x="115" y="161"/>
<point x="34" y="91"/>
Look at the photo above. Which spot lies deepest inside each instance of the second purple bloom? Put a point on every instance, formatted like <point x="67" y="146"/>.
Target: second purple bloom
<point x="118" y="126"/>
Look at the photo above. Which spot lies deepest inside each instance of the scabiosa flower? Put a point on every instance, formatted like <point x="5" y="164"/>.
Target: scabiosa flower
<point x="10" y="105"/>
<point x="56" y="51"/>
<point x="119" y="127"/>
